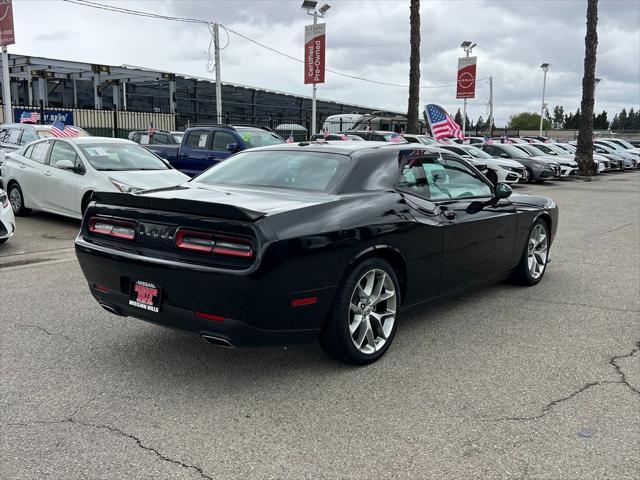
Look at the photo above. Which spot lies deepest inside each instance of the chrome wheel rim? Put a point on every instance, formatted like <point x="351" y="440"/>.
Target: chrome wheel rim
<point x="372" y="311"/>
<point x="15" y="200"/>
<point x="537" y="251"/>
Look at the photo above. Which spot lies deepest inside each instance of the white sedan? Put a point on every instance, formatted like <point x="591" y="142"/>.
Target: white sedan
<point x="58" y="175"/>
<point x="499" y="170"/>
<point x="7" y="222"/>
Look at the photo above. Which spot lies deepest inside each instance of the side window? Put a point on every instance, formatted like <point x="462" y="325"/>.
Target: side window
<point x="159" y="139"/>
<point x="3" y="132"/>
<point x="27" y="152"/>
<point x="13" y="136"/>
<point x="198" y="139"/>
<point x="491" y="150"/>
<point x="436" y="179"/>
<point x="221" y="140"/>
<point x="39" y="152"/>
<point x="412" y="139"/>
<point x="63" y="151"/>
<point x="28" y="136"/>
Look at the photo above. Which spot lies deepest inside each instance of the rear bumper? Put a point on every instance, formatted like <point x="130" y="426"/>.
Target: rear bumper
<point x="245" y="310"/>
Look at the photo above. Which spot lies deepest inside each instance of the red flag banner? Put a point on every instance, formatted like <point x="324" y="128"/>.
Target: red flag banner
<point x="466" y="84"/>
<point x="314" y="45"/>
<point x="7" y="35"/>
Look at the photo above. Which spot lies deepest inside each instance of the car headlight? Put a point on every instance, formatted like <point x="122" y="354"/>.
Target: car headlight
<point x="125" y="188"/>
<point x="4" y="201"/>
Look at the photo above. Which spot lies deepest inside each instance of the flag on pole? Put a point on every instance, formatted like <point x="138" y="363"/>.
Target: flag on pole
<point x="151" y="130"/>
<point x="59" y="129"/>
<point x="441" y="123"/>
<point x="29" y="117"/>
<point x="395" y="138"/>
<point x="345" y="137"/>
<point x="325" y="134"/>
<point x="290" y="139"/>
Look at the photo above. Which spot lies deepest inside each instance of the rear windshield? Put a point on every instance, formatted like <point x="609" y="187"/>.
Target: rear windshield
<point x="296" y="170"/>
<point x="121" y="156"/>
<point x="259" y="138"/>
<point x="476" y="152"/>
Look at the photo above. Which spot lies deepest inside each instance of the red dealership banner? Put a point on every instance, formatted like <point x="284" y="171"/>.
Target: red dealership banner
<point x="466" y="83"/>
<point x="7" y="36"/>
<point x="314" y="44"/>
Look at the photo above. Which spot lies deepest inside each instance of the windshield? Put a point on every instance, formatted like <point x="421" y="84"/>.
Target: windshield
<point x="259" y="138"/>
<point x="427" y="140"/>
<point x="611" y="145"/>
<point x="625" y="144"/>
<point x="545" y="149"/>
<point x="120" y="156"/>
<point x="177" y="136"/>
<point x="530" y="150"/>
<point x="514" y="151"/>
<point x="296" y="170"/>
<point x="476" y="152"/>
<point x="393" y="137"/>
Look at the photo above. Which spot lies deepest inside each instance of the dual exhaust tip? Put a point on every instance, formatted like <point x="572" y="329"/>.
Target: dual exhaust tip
<point x="222" y="342"/>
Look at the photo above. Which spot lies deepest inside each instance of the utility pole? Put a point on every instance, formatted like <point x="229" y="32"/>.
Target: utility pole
<point x="490" y="106"/>
<point x="6" y="86"/>
<point x="216" y="46"/>
<point x="545" y="69"/>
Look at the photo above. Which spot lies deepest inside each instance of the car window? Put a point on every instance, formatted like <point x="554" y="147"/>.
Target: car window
<point x="299" y="170"/>
<point x="412" y="140"/>
<point x="3" y="133"/>
<point x="457" y="150"/>
<point x="39" y="152"/>
<point x="261" y="138"/>
<point x="13" y="136"/>
<point x="221" y="140"/>
<point x="120" y="156"/>
<point x="441" y="178"/>
<point x="159" y="139"/>
<point x="198" y="139"/>
<point x="178" y="137"/>
<point x="63" y="151"/>
<point x="27" y="137"/>
<point x="476" y="152"/>
<point x="27" y="152"/>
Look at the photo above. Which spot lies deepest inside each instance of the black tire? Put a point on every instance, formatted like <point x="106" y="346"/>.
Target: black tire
<point x="522" y="274"/>
<point x="530" y="177"/>
<point x="17" y="204"/>
<point x="492" y="176"/>
<point x="335" y="337"/>
<point x="2" y="240"/>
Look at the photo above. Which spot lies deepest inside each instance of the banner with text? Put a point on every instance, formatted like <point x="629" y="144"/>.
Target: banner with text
<point x="466" y="84"/>
<point x="7" y="35"/>
<point x="314" y="45"/>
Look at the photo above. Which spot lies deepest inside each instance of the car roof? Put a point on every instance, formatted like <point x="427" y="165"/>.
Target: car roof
<point x="344" y="147"/>
<point x="86" y="140"/>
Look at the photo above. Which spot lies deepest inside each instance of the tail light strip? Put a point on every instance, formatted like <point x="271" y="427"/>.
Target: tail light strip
<point x="206" y="242"/>
<point x="112" y="228"/>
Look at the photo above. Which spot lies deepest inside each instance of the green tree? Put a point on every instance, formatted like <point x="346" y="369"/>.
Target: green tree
<point x="623" y="119"/>
<point x="558" y="116"/>
<point x="528" y="121"/>
<point x="458" y="118"/>
<point x="584" y="153"/>
<point x="414" y="68"/>
<point x="481" y="125"/>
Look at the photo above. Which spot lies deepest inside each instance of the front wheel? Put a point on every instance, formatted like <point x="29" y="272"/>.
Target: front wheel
<point x="17" y="200"/>
<point x="363" y="322"/>
<point x="535" y="257"/>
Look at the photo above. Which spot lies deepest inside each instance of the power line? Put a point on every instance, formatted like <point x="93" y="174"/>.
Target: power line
<point x="128" y="11"/>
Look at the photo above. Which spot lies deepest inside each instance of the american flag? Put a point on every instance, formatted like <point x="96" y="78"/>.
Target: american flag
<point x="58" y="129"/>
<point x="290" y="138"/>
<point x="345" y="137"/>
<point x="395" y="138"/>
<point x="151" y="130"/>
<point x="29" y="117"/>
<point x="325" y="133"/>
<point x="442" y="125"/>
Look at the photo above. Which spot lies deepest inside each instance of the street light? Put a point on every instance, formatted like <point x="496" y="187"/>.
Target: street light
<point x="310" y="7"/>
<point x="545" y="69"/>
<point x="467" y="46"/>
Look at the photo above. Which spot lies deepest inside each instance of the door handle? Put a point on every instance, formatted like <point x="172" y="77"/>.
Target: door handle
<point x="47" y="173"/>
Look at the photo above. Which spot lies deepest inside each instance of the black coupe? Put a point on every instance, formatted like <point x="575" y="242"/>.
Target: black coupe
<point x="311" y="240"/>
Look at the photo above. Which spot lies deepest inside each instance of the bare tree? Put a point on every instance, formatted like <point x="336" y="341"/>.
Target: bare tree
<point x="414" y="69"/>
<point x="584" y="154"/>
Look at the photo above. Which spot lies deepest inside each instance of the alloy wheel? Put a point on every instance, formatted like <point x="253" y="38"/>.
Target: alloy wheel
<point x="537" y="251"/>
<point x="15" y="199"/>
<point x="372" y="311"/>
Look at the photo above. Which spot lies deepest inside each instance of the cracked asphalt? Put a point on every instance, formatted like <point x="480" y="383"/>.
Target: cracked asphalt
<point x="501" y="383"/>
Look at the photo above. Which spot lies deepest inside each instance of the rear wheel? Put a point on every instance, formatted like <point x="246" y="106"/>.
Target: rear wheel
<point x="17" y="200"/>
<point x="363" y="321"/>
<point x="535" y="257"/>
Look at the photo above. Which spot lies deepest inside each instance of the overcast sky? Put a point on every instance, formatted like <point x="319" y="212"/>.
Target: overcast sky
<point x="368" y="39"/>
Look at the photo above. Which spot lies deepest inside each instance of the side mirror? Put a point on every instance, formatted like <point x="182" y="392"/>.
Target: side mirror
<point x="504" y="155"/>
<point x="503" y="191"/>
<point x="65" y="165"/>
<point x="232" y="147"/>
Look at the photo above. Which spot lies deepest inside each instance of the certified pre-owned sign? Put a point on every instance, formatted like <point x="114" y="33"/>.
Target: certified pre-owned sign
<point x="7" y="36"/>
<point x="314" y="42"/>
<point x="466" y="85"/>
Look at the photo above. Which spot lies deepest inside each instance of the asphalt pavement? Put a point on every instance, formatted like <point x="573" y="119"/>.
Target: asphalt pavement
<point x="504" y="382"/>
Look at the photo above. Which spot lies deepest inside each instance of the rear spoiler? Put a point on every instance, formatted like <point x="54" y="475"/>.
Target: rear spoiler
<point x="177" y="205"/>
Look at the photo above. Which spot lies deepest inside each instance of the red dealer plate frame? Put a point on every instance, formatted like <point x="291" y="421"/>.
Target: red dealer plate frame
<point x="145" y="296"/>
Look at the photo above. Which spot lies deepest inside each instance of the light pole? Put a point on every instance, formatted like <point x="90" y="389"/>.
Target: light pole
<point x="310" y="7"/>
<point x="467" y="46"/>
<point x="545" y="69"/>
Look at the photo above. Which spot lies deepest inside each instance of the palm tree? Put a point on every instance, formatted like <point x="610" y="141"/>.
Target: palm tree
<point x="414" y="69"/>
<point x="584" y="154"/>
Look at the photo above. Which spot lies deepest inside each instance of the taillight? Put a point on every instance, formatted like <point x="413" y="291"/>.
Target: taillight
<point x="213" y="243"/>
<point x="112" y="228"/>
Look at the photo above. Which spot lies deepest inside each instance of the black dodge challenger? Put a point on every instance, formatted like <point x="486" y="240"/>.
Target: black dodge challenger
<point x="326" y="240"/>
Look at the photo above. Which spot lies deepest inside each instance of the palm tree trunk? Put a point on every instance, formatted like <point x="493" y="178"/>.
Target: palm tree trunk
<point x="414" y="70"/>
<point x="584" y="154"/>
